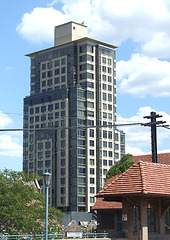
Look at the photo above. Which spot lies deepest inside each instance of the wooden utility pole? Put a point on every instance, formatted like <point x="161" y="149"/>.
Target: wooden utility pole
<point x="153" y="124"/>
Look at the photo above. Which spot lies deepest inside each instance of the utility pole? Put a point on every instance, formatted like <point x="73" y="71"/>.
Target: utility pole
<point x="153" y="124"/>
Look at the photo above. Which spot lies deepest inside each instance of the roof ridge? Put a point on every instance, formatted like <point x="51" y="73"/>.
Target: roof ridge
<point x="152" y="163"/>
<point x="141" y="167"/>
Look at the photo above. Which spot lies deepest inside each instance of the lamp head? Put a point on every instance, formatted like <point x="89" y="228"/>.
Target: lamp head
<point x="47" y="178"/>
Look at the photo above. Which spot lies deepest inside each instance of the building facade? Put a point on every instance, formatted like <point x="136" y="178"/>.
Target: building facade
<point x="70" y="115"/>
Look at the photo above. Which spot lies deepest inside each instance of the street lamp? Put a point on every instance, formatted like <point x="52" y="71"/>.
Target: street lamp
<point x="47" y="178"/>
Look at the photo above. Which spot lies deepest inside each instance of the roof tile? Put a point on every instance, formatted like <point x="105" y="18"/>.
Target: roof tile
<point x="141" y="178"/>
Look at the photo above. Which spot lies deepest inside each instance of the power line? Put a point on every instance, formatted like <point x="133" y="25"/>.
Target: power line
<point x="76" y="127"/>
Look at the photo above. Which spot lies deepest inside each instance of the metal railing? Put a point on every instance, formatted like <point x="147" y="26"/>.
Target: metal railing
<point x="31" y="236"/>
<point x="51" y="236"/>
<point x="95" y="235"/>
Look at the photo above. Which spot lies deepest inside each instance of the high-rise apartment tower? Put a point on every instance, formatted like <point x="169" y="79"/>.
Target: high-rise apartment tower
<point x="69" y="117"/>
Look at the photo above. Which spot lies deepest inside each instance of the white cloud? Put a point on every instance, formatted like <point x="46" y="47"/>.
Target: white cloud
<point x="138" y="138"/>
<point x="50" y="4"/>
<point x="4" y="120"/>
<point x="9" y="143"/>
<point x="141" y="76"/>
<point x="158" y="46"/>
<point x="111" y="21"/>
<point x="9" y="146"/>
<point x="134" y="150"/>
<point x="38" y="26"/>
<point x="7" y="68"/>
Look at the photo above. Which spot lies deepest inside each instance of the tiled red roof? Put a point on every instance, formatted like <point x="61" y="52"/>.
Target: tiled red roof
<point x="140" y="178"/>
<point x="101" y="204"/>
<point x="161" y="157"/>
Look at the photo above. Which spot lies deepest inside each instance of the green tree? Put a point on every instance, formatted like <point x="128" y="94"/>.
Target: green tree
<point x="121" y="166"/>
<point x="22" y="206"/>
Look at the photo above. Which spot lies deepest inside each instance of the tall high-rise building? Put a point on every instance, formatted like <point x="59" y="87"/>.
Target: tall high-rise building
<point x="70" y="115"/>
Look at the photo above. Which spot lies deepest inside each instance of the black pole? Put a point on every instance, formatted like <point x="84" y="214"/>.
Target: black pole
<point x="153" y="137"/>
<point x="153" y="124"/>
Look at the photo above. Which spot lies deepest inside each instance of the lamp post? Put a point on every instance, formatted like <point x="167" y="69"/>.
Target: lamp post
<point x="47" y="178"/>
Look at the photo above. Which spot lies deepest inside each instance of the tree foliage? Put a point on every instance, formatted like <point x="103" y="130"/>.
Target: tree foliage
<point x="22" y="206"/>
<point x="121" y="166"/>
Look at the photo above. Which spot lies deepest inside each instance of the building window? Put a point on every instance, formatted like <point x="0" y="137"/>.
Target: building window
<point x="91" y="132"/>
<point x="116" y="147"/>
<point x="104" y="114"/>
<point x="103" y="68"/>
<point x="104" y="106"/>
<point x="57" y="63"/>
<point x="91" y="170"/>
<point x="57" y="106"/>
<point x="57" y="114"/>
<point x="40" y="146"/>
<point x="90" y="94"/>
<point x="81" y="199"/>
<point x="81" y="190"/>
<point x="31" y="120"/>
<point x="63" y="61"/>
<point x="105" y="162"/>
<point x="57" y="80"/>
<point x="91" y="152"/>
<point x="40" y="154"/>
<point x="122" y="139"/>
<point x="109" y="134"/>
<point x="92" y="143"/>
<point x="110" y="154"/>
<point x="104" y="96"/>
<point x="62" y="180"/>
<point x="62" y="162"/>
<point x="91" y="180"/>
<point x="44" y="75"/>
<point x="40" y="164"/>
<point x="47" y="154"/>
<point x="116" y="137"/>
<point x="109" y="107"/>
<point x="91" y="161"/>
<point x="62" y="171"/>
<point x="109" y="70"/>
<point x="91" y="199"/>
<point x="116" y="155"/>
<point x="104" y="153"/>
<point x="109" y="61"/>
<point x="104" y="77"/>
<point x="43" y="66"/>
<point x="47" y="163"/>
<point x="50" y="116"/>
<point x="81" y="171"/>
<point x="91" y="190"/>
<point x="62" y="114"/>
<point x="43" y="108"/>
<point x="104" y="134"/>
<point x="90" y="113"/>
<point x="110" y="163"/>
<point x="109" y="79"/>
<point x="104" y="60"/>
<point x="110" y="97"/>
<point x="62" y="190"/>
<point x="109" y="88"/>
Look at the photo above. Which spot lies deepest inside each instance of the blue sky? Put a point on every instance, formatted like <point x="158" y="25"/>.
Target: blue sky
<point x="142" y="35"/>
